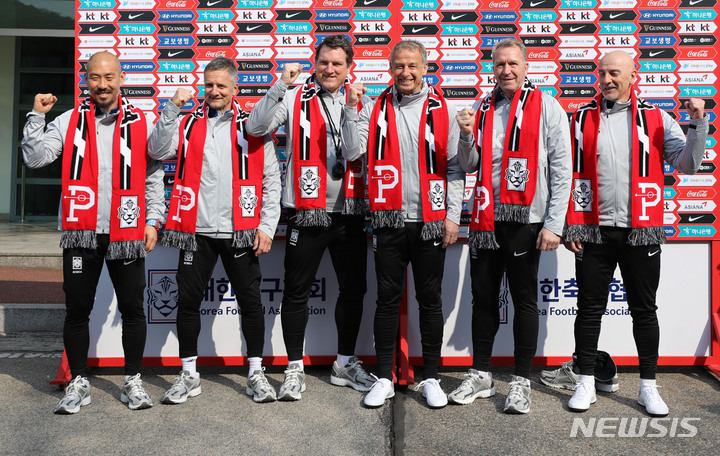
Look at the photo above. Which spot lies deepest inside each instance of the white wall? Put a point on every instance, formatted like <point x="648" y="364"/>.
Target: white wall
<point x="7" y="93"/>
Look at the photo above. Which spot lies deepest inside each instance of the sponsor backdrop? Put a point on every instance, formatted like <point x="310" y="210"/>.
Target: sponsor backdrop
<point x="165" y="44"/>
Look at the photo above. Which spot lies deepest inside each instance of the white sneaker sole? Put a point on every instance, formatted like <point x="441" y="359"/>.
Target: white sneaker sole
<point x="375" y="404"/>
<point x="133" y="406"/>
<point x="269" y="398"/>
<point x="337" y="381"/>
<point x="192" y="393"/>
<point x="582" y="409"/>
<point x="484" y="394"/>
<point x="291" y="396"/>
<point x="74" y="410"/>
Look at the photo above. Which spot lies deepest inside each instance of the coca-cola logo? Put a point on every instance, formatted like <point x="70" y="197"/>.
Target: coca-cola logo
<point x="176" y="4"/>
<point x="700" y="54"/>
<point x="539" y="55"/>
<point x="213" y="54"/>
<point x="697" y="193"/>
<point x="499" y="5"/>
<point x="250" y="104"/>
<point x="658" y="3"/>
<point x="373" y="53"/>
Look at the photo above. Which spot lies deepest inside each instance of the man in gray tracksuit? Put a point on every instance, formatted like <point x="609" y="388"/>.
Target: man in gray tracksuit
<point x="217" y="209"/>
<point x="83" y="259"/>
<point x="615" y="216"/>
<point x="406" y="232"/>
<point x="516" y="243"/>
<point x="326" y="206"/>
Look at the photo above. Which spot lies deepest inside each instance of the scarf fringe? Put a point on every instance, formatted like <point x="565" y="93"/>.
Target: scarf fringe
<point x="482" y="240"/>
<point x="312" y="217"/>
<point x="650" y="235"/>
<point x="179" y="240"/>
<point x="243" y="239"/>
<point x="431" y="230"/>
<point x="585" y="233"/>
<point x="513" y="213"/>
<point x="355" y="206"/>
<point x="121" y="250"/>
<point x="83" y="239"/>
<point x="388" y="219"/>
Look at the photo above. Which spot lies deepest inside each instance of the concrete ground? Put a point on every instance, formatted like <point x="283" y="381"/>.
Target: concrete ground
<point x="332" y="420"/>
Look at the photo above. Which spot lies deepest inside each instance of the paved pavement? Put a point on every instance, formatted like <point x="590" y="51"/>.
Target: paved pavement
<point x="332" y="420"/>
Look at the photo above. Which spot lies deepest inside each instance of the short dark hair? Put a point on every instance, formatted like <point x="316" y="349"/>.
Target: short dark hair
<point x="337" y="42"/>
<point x="223" y="63"/>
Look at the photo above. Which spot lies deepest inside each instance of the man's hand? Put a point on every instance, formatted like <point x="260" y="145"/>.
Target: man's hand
<point x="262" y="243"/>
<point x="695" y="108"/>
<point x="547" y="240"/>
<point x="181" y="97"/>
<point x="450" y="232"/>
<point x="574" y="246"/>
<point x="290" y="72"/>
<point x="466" y="121"/>
<point x="150" y="238"/>
<point x="44" y="102"/>
<point x="355" y="93"/>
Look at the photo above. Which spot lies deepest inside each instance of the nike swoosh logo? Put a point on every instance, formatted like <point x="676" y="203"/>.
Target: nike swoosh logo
<point x="454" y="17"/>
<point x="534" y="4"/>
<point x="575" y="29"/>
<point x="437" y="243"/>
<point x="134" y="16"/>
<point x="694" y="2"/>
<point x="126" y="262"/>
<point x="291" y="15"/>
<point x="214" y="3"/>
<point x="239" y="255"/>
<point x="692" y="219"/>
<point x="173" y="54"/>
<point x="653" y="54"/>
<point x="415" y="30"/>
<point x="653" y="253"/>
<point x="94" y="29"/>
<point x="614" y="15"/>
<point x="250" y="29"/>
<point x="369" y="2"/>
<point x="519" y="254"/>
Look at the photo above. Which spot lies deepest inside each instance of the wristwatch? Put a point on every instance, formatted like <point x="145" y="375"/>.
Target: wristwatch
<point x="154" y="223"/>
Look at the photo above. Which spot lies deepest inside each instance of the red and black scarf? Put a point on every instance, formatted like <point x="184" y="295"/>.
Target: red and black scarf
<point x="518" y="169"/>
<point x="385" y="164"/>
<point x="80" y="182"/>
<point x="310" y="163"/>
<point x="646" y="180"/>
<point x="248" y="167"/>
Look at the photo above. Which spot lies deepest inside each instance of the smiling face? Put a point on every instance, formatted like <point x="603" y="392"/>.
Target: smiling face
<point x="407" y="70"/>
<point x="331" y="68"/>
<point x="616" y="73"/>
<point x="220" y="88"/>
<point x="510" y="69"/>
<point x="104" y="78"/>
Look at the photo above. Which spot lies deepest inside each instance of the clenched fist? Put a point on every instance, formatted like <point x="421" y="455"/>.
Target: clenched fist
<point x="290" y="72"/>
<point x="466" y="121"/>
<point x="695" y="108"/>
<point x="355" y="93"/>
<point x="181" y="97"/>
<point x="44" y="102"/>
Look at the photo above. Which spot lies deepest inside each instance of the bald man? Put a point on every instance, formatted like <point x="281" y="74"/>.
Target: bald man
<point x="615" y="215"/>
<point x="112" y="202"/>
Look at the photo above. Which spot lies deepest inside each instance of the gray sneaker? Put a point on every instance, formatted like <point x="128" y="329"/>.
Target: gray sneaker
<point x="565" y="377"/>
<point x="185" y="386"/>
<point x="352" y="375"/>
<point x="77" y="394"/>
<point x="518" y="399"/>
<point x="134" y="395"/>
<point x="473" y="387"/>
<point x="259" y="388"/>
<point x="293" y="385"/>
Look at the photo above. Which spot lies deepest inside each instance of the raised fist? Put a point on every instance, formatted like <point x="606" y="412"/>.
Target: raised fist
<point x="44" y="102"/>
<point x="466" y="121"/>
<point x="355" y="93"/>
<point x="695" y="108"/>
<point x="181" y="97"/>
<point x="290" y="72"/>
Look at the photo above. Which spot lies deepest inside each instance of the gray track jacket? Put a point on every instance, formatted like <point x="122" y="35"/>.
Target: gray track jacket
<point x="552" y="192"/>
<point x="614" y="158"/>
<point x="408" y="112"/>
<point x="215" y="216"/>
<point x="41" y="147"/>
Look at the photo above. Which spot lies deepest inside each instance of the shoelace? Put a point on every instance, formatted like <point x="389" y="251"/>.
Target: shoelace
<point x="73" y="386"/>
<point x="652" y="392"/>
<point x="516" y="391"/>
<point x="135" y="385"/>
<point x="426" y="382"/>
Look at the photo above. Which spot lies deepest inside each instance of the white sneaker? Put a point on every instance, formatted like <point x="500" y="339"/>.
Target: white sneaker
<point x="434" y="395"/>
<point x="651" y="400"/>
<point x="583" y="397"/>
<point x="382" y="389"/>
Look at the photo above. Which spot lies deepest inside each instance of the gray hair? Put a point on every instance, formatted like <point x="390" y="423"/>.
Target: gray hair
<point x="409" y="45"/>
<point x="223" y="63"/>
<point x="510" y="42"/>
